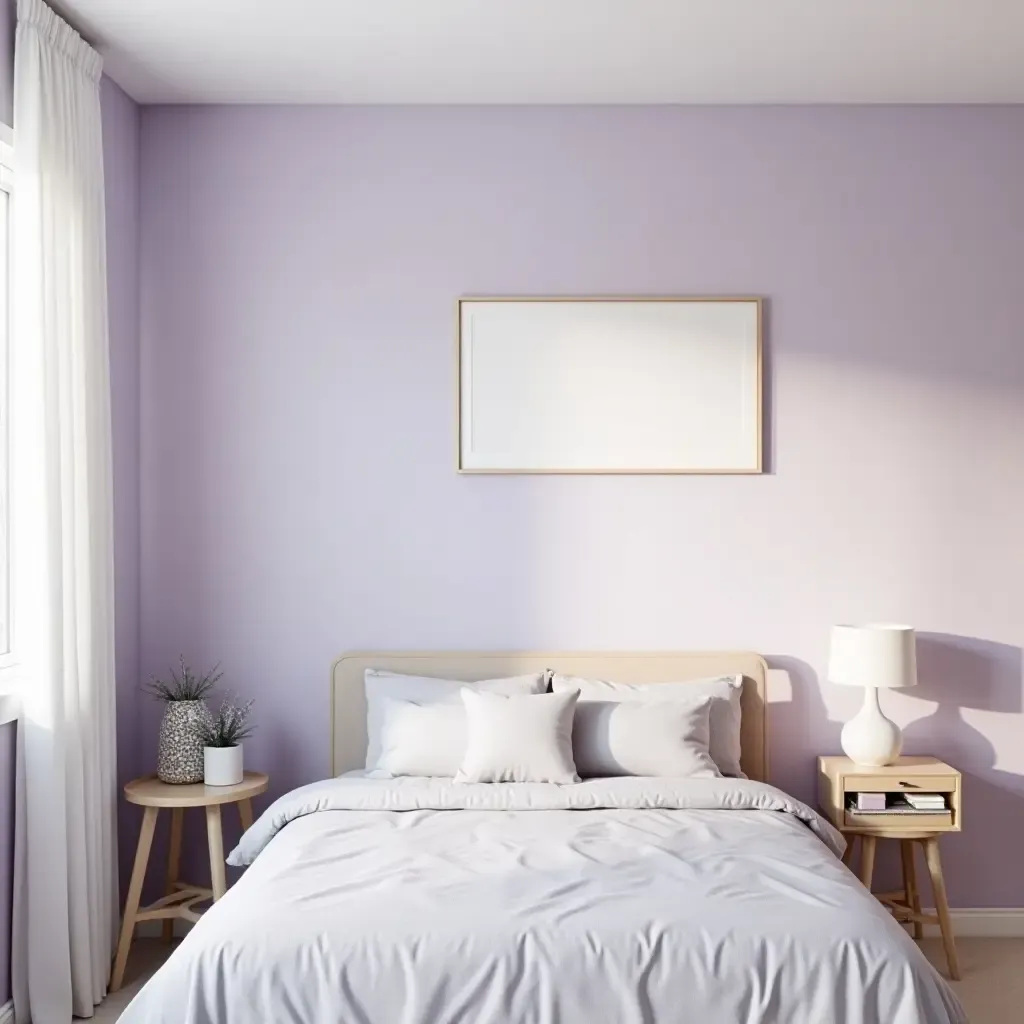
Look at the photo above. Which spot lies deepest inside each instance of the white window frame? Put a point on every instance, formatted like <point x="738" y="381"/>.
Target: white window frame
<point x="9" y="704"/>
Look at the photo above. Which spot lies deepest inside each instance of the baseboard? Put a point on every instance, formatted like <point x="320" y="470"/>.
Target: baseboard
<point x="983" y="922"/>
<point x="7" y="1012"/>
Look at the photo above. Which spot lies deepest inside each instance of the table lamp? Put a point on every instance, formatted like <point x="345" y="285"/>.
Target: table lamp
<point x="874" y="657"/>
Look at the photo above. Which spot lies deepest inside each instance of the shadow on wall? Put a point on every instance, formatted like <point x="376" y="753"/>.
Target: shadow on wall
<point x="965" y="673"/>
<point x="800" y="723"/>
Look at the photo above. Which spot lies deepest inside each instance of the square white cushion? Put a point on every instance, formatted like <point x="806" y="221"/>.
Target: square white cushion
<point x="723" y="691"/>
<point x="518" y="739"/>
<point x="381" y="685"/>
<point x="659" y="739"/>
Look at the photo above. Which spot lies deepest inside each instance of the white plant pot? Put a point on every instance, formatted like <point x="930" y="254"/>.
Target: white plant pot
<point x="222" y="766"/>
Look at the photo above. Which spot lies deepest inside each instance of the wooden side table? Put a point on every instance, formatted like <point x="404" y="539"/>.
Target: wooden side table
<point x="839" y="776"/>
<point x="181" y="898"/>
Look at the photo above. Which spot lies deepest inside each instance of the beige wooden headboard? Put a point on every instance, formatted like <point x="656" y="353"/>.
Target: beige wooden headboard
<point x="348" y="695"/>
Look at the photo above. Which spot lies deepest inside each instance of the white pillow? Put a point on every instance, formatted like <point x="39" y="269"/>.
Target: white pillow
<point x="518" y="739"/>
<point x="422" y="739"/>
<point x="659" y="739"/>
<point x="381" y="685"/>
<point x="723" y="691"/>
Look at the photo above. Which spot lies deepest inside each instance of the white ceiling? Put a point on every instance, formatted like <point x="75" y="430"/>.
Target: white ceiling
<point x="560" y="51"/>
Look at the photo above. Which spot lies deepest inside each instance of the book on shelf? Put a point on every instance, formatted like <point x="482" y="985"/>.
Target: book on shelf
<point x="870" y="801"/>
<point x="926" y="801"/>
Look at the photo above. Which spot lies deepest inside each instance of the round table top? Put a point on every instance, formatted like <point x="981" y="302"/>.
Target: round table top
<point x="151" y="792"/>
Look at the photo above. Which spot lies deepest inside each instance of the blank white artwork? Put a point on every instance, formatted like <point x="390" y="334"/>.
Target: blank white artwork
<point x="610" y="386"/>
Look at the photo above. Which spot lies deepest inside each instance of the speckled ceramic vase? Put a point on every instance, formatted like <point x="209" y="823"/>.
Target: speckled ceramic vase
<point x="180" y="754"/>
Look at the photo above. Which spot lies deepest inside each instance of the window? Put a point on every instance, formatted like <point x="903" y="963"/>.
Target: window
<point x="6" y="177"/>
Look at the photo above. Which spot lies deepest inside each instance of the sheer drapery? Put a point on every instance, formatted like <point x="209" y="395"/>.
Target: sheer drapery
<point x="65" y="918"/>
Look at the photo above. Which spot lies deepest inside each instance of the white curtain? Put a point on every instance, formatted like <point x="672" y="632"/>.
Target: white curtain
<point x="65" y="854"/>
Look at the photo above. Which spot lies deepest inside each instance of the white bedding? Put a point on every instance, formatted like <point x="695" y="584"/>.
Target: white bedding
<point x="621" y="901"/>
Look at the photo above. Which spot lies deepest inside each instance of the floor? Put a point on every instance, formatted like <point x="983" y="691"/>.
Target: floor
<point x="992" y="989"/>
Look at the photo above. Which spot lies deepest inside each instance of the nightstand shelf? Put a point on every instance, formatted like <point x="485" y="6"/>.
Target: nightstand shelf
<point x="839" y="778"/>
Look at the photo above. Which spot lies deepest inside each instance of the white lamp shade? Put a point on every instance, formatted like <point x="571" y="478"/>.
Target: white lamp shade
<point x="873" y="655"/>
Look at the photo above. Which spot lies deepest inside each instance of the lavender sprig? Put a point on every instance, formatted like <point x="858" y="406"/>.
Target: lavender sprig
<point x="228" y="727"/>
<point x="186" y="685"/>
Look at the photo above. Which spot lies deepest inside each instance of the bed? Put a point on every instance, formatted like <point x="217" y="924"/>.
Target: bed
<point x="618" y="900"/>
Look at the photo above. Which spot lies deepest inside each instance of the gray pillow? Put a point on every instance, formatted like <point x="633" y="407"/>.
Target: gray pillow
<point x="658" y="739"/>
<point x="724" y="692"/>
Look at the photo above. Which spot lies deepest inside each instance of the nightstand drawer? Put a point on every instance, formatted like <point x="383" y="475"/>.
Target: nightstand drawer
<point x="909" y="783"/>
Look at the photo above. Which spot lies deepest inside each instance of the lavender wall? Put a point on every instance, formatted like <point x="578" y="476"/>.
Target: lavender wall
<point x="8" y="735"/>
<point x="121" y="125"/>
<point x="299" y="268"/>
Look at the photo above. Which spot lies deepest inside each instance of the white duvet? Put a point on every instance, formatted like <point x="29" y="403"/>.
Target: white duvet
<point x="620" y="901"/>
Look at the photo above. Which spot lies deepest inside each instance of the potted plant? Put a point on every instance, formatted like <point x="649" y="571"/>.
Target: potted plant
<point x="180" y="752"/>
<point x="221" y="736"/>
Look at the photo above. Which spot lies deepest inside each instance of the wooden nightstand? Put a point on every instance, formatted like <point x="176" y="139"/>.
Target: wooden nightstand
<point x="839" y="777"/>
<point x="182" y="897"/>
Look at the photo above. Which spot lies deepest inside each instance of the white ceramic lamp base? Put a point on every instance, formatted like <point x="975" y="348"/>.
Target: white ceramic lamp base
<point x="870" y="738"/>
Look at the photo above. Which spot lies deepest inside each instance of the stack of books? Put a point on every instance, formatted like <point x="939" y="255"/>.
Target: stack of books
<point x="926" y="801"/>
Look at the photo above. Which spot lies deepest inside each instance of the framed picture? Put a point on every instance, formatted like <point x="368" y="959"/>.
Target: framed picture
<point x="609" y="385"/>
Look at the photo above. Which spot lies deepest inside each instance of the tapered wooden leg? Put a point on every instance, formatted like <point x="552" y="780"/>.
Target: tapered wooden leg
<point x="910" y="890"/>
<point x="867" y="859"/>
<point x="173" y="864"/>
<point x="215" y="839"/>
<point x="851" y="842"/>
<point x="131" y="906"/>
<point x="934" y="861"/>
<point x="245" y="813"/>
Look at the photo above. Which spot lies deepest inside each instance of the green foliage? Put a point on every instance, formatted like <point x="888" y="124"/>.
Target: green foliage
<point x="228" y="727"/>
<point x="184" y="685"/>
